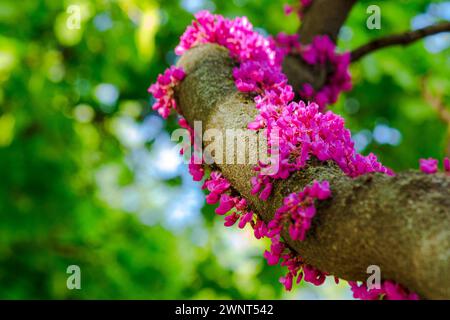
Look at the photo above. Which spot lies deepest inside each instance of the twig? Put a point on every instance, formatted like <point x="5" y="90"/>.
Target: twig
<point x="398" y="39"/>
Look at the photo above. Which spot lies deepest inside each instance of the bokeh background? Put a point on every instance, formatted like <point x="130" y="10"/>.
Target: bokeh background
<point x="89" y="176"/>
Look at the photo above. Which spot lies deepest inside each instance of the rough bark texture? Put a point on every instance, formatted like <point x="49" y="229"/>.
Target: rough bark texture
<point x="323" y="17"/>
<point x="401" y="224"/>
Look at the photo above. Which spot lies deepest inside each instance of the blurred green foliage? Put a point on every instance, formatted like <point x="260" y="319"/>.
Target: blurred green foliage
<point x="64" y="93"/>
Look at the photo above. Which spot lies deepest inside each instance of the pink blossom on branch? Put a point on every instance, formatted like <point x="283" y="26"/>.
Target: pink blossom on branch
<point x="216" y="185"/>
<point x="428" y="166"/>
<point x="304" y="130"/>
<point x="388" y="290"/>
<point x="231" y="219"/>
<point x="163" y="92"/>
<point x="322" y="51"/>
<point x="196" y="170"/>
<point x="226" y="204"/>
<point x="298" y="210"/>
<point x="447" y="164"/>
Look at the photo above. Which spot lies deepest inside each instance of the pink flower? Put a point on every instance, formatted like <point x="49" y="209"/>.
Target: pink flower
<point x="287" y="281"/>
<point x="287" y="43"/>
<point x="231" y="219"/>
<point x="255" y="125"/>
<point x="298" y="210"/>
<point x="388" y="290"/>
<point x="260" y="229"/>
<point x="321" y="51"/>
<point x="276" y="250"/>
<point x="217" y="185"/>
<point x="196" y="170"/>
<point x="361" y="292"/>
<point x="266" y="192"/>
<point x="259" y="182"/>
<point x="394" y="291"/>
<point x="271" y="258"/>
<point x="245" y="218"/>
<point x="303" y="131"/>
<point x="428" y="166"/>
<point x="307" y="91"/>
<point x="212" y="198"/>
<point x="313" y="275"/>
<point x="241" y="204"/>
<point x="320" y="190"/>
<point x="447" y="165"/>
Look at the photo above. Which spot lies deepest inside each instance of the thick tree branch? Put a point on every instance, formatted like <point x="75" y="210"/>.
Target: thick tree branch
<point x="323" y="17"/>
<point x="401" y="224"/>
<point x="399" y="39"/>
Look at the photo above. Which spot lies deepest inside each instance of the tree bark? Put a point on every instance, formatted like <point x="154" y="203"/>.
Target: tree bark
<point x="401" y="223"/>
<point x="324" y="17"/>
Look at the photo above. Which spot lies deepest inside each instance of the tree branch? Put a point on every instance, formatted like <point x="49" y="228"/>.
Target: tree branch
<point x="323" y="17"/>
<point x="437" y="103"/>
<point x="399" y="39"/>
<point x="401" y="224"/>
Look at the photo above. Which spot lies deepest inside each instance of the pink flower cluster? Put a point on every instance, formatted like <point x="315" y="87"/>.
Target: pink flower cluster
<point x="298" y="209"/>
<point x="297" y="212"/>
<point x="302" y="202"/>
<point x="304" y="132"/>
<point x="235" y="206"/>
<point x="163" y="92"/>
<point x="323" y="51"/>
<point x="297" y="268"/>
<point x="236" y="35"/>
<point x="320" y="51"/>
<point x="388" y="290"/>
<point x="219" y="191"/>
<point x="430" y="165"/>
<point x="288" y="44"/>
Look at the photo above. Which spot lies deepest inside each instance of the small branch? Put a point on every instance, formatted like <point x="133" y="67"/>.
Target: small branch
<point x="399" y="39"/>
<point x="400" y="224"/>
